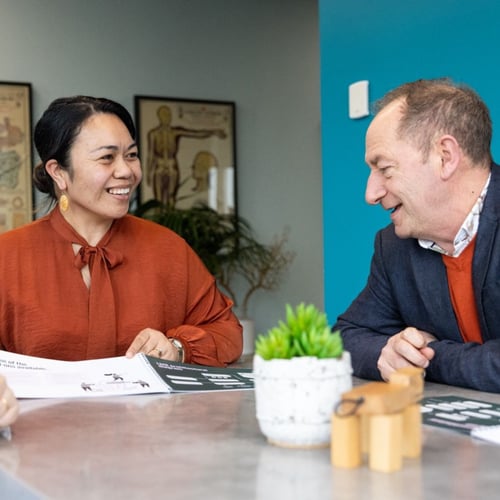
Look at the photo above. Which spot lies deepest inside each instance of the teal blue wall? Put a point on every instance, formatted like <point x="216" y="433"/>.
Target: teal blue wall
<point x="387" y="42"/>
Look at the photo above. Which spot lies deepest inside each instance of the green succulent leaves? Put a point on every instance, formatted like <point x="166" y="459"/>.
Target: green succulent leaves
<point x="305" y="333"/>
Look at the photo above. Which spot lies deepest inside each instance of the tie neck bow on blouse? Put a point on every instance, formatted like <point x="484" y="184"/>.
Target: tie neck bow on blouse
<point x="102" y="335"/>
<point x="88" y="254"/>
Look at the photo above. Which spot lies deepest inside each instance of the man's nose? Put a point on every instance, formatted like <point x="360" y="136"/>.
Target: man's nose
<point x="375" y="188"/>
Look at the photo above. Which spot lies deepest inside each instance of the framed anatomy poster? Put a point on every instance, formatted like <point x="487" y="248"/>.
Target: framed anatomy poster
<point x="187" y="150"/>
<point x="16" y="156"/>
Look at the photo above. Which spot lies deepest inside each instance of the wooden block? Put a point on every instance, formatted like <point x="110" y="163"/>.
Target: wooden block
<point x="412" y="431"/>
<point x="386" y="446"/>
<point x="378" y="398"/>
<point x="346" y="445"/>
<point x="375" y="398"/>
<point x="365" y="433"/>
<point x="410" y="376"/>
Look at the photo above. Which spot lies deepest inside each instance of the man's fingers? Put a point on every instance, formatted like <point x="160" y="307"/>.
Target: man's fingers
<point x="413" y="337"/>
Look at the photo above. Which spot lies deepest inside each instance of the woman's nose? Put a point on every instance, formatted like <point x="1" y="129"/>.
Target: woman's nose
<point x="123" y="169"/>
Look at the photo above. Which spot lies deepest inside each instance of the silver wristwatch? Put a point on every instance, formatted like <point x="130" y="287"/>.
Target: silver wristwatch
<point x="180" y="349"/>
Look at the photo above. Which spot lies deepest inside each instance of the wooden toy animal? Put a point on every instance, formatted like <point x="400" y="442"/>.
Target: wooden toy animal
<point x="382" y="419"/>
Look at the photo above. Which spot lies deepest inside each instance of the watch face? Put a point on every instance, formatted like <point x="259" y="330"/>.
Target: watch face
<point x="180" y="349"/>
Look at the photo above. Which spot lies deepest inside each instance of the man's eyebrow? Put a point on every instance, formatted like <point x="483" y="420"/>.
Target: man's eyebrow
<point x="374" y="161"/>
<point x="378" y="159"/>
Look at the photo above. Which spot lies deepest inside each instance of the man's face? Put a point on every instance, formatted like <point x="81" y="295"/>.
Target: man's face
<point x="401" y="181"/>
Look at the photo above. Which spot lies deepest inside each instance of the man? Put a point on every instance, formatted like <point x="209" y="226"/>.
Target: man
<point x="433" y="294"/>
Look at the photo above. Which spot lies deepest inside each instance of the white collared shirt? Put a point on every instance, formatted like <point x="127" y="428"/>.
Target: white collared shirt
<point x="466" y="232"/>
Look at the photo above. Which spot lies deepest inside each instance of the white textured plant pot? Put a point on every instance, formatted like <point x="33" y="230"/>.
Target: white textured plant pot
<point x="295" y="398"/>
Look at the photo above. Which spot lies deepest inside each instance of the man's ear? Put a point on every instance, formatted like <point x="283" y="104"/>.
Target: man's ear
<point x="57" y="173"/>
<point x="450" y="153"/>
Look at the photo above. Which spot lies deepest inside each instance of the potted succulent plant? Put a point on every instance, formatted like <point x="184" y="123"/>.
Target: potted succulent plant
<point x="300" y="371"/>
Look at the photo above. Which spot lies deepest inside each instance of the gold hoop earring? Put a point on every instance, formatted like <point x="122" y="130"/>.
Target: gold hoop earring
<point x="63" y="203"/>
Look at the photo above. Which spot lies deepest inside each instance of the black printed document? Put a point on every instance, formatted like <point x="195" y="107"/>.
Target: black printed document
<point x="480" y="419"/>
<point x="32" y="377"/>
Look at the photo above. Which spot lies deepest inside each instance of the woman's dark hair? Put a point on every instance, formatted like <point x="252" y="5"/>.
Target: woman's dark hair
<point x="58" y="128"/>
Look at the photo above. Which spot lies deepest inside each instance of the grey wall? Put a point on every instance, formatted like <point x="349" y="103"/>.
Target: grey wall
<point x="262" y="54"/>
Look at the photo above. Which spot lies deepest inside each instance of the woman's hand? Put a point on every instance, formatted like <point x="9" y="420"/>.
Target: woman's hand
<point x="153" y="343"/>
<point x="9" y="407"/>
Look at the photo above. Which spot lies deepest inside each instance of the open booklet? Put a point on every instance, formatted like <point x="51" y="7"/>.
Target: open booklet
<point x="32" y="377"/>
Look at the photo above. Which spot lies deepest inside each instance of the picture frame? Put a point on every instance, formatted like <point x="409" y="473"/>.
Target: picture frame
<point x="16" y="155"/>
<point x="188" y="152"/>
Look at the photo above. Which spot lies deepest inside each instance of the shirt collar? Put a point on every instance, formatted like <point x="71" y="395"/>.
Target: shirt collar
<point x="467" y="230"/>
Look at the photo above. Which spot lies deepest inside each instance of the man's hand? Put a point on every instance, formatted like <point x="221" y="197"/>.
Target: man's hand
<point x="406" y="348"/>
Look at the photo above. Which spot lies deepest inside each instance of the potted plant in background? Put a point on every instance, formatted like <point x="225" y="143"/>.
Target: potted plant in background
<point x="228" y="247"/>
<point x="253" y="267"/>
<point x="300" y="372"/>
<point x="210" y="234"/>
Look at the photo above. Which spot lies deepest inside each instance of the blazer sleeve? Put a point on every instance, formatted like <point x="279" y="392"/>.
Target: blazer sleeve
<point x="410" y="294"/>
<point x="371" y="319"/>
<point x="472" y="365"/>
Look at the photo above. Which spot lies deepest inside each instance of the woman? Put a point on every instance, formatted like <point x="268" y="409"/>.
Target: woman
<point x="9" y="407"/>
<point x="90" y="281"/>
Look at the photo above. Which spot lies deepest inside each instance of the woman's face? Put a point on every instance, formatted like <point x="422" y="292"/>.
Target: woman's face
<point x="105" y="171"/>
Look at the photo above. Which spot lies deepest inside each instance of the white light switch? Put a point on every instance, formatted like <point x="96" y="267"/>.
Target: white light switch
<point x="358" y="99"/>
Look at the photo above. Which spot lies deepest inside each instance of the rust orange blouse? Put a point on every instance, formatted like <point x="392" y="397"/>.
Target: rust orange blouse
<point x="143" y="275"/>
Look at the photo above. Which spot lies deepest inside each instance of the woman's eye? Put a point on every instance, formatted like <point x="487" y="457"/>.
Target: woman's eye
<point x="107" y="157"/>
<point x="133" y="155"/>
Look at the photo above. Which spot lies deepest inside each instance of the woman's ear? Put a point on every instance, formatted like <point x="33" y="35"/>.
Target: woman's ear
<point x="57" y="173"/>
<point x="451" y="154"/>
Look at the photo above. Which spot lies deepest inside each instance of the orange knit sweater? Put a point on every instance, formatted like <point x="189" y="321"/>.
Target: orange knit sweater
<point x="459" y="271"/>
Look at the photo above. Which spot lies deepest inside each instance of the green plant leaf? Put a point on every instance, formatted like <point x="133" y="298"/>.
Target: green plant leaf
<point x="305" y="333"/>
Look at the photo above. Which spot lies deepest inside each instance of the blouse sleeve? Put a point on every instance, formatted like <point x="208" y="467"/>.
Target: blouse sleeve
<point x="211" y="334"/>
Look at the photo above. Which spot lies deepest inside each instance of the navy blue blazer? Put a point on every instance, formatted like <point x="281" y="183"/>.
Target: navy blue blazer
<point x="407" y="286"/>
